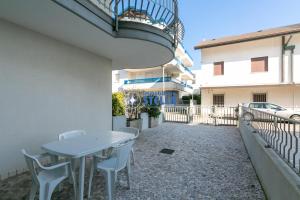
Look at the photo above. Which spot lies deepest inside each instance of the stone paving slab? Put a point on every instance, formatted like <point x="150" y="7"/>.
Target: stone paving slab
<point x="208" y="163"/>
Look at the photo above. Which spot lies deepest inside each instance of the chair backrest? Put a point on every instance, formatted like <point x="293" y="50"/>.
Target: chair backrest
<point x="132" y="130"/>
<point x="122" y="153"/>
<point x="32" y="164"/>
<point x="71" y="134"/>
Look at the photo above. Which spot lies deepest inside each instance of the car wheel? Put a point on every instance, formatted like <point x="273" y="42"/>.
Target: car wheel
<point x="295" y="117"/>
<point x="248" y="116"/>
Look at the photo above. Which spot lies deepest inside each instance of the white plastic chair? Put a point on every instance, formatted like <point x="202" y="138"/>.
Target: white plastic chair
<point x="71" y="134"/>
<point x="136" y="133"/>
<point x="118" y="161"/>
<point x="46" y="178"/>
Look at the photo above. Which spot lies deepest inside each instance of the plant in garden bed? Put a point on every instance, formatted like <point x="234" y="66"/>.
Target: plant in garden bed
<point x="118" y="111"/>
<point x="118" y="104"/>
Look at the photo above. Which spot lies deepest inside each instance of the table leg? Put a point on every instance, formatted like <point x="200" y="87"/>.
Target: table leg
<point x="81" y="178"/>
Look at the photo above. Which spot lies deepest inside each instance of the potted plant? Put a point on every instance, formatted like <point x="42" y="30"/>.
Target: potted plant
<point x="118" y="111"/>
<point x="154" y="114"/>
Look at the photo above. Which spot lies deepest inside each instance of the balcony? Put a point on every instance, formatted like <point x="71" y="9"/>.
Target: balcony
<point x="123" y="27"/>
<point x="187" y="73"/>
<point x="154" y="84"/>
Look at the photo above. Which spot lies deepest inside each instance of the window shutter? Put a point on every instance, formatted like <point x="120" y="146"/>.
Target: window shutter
<point x="259" y="64"/>
<point x="218" y="68"/>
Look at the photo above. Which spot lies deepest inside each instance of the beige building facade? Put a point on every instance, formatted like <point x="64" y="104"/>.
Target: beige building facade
<point x="259" y="66"/>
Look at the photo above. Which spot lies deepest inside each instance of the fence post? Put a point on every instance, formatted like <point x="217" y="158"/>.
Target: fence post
<point x="187" y="114"/>
<point x="214" y="116"/>
<point x="162" y="110"/>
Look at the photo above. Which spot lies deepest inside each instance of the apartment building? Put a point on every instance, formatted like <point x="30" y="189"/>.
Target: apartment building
<point x="174" y="78"/>
<point x="56" y="58"/>
<point x="253" y="67"/>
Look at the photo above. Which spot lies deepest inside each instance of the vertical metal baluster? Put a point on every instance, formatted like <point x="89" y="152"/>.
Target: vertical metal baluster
<point x="290" y="140"/>
<point x="281" y="137"/>
<point x="285" y="142"/>
<point x="276" y="136"/>
<point x="296" y="145"/>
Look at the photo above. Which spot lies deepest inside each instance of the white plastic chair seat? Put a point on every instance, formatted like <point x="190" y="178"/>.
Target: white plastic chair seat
<point x="108" y="164"/>
<point x="49" y="176"/>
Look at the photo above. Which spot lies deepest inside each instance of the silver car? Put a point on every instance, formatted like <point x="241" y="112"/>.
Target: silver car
<point x="273" y="109"/>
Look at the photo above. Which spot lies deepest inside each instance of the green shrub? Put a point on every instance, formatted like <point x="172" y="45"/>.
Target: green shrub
<point x="154" y="111"/>
<point x="118" y="104"/>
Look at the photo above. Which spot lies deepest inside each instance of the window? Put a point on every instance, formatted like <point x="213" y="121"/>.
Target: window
<point x="260" y="97"/>
<point x="218" y="68"/>
<point x="218" y="99"/>
<point x="259" y="64"/>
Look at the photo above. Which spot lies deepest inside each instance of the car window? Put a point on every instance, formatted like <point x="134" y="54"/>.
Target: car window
<point x="274" y="107"/>
<point x="257" y="105"/>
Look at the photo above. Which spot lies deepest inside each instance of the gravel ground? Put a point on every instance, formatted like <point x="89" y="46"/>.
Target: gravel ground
<point x="208" y="163"/>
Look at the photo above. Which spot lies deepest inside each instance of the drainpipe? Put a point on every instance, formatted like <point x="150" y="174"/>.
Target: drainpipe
<point x="290" y="48"/>
<point x="291" y="67"/>
<point x="282" y="59"/>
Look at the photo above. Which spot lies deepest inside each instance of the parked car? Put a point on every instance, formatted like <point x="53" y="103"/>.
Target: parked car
<point x="273" y="109"/>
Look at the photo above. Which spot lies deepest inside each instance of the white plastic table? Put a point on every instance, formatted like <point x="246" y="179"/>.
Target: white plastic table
<point x="81" y="146"/>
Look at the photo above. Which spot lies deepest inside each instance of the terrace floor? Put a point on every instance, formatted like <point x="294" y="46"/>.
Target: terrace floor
<point x="208" y="163"/>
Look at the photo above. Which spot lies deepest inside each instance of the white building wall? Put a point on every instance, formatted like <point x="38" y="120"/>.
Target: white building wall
<point x="287" y="96"/>
<point x="237" y="72"/>
<point x="47" y="87"/>
<point x="118" y="78"/>
<point x="237" y="63"/>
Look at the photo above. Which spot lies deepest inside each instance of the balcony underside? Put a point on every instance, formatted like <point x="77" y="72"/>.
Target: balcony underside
<point x="169" y="86"/>
<point x="135" y="45"/>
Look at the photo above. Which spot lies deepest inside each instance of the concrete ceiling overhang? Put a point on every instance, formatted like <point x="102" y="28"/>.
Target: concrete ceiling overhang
<point x="134" y="45"/>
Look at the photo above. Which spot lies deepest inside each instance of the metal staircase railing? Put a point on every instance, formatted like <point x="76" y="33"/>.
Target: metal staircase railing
<point x="162" y="14"/>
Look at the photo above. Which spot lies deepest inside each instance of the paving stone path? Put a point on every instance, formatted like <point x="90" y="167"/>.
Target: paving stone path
<point x="208" y="163"/>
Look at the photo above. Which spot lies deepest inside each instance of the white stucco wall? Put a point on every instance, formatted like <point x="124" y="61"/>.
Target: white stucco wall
<point x="287" y="96"/>
<point x="47" y="87"/>
<point x="237" y="63"/>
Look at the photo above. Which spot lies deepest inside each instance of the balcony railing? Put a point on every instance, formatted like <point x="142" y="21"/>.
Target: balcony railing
<point x="185" y="68"/>
<point x="156" y="80"/>
<point x="162" y="14"/>
<point x="281" y="134"/>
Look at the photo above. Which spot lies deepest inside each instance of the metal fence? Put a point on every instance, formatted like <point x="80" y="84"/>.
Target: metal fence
<point x="281" y="134"/>
<point x="201" y="114"/>
<point x="177" y="114"/>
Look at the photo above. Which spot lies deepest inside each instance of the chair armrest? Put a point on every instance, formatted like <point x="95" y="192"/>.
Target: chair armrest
<point x="56" y="166"/>
<point x="43" y="155"/>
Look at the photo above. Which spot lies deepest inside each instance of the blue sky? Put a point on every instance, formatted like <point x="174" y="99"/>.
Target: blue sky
<point x="207" y="19"/>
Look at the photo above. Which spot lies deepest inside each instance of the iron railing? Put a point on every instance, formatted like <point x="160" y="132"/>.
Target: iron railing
<point x="202" y="114"/>
<point x="281" y="134"/>
<point x="162" y="14"/>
